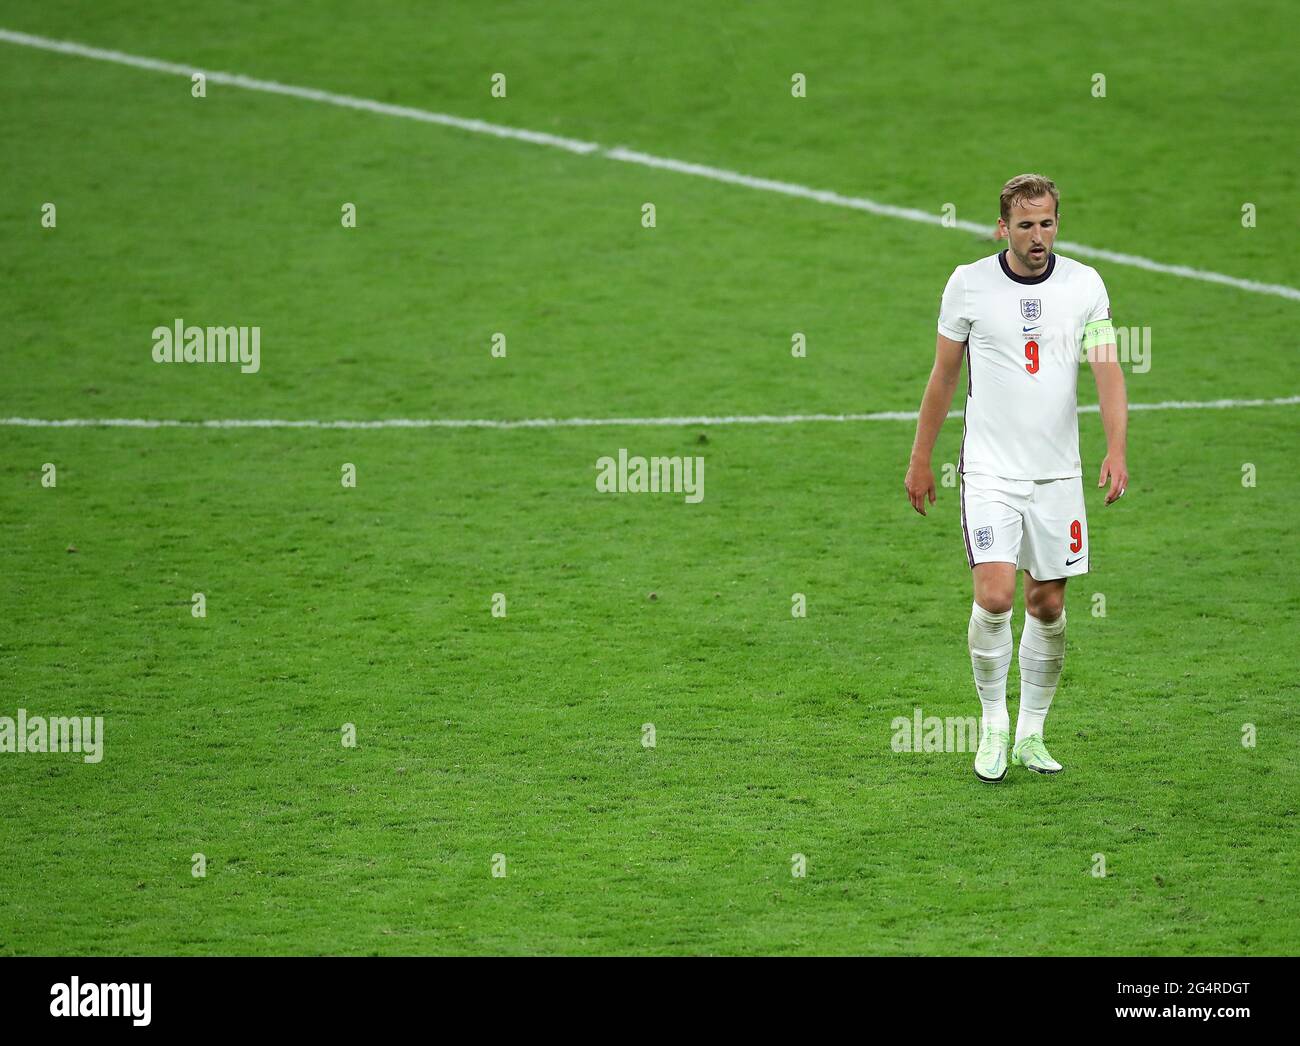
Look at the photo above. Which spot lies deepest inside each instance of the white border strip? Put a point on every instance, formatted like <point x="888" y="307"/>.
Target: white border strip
<point x="572" y="423"/>
<point x="573" y="145"/>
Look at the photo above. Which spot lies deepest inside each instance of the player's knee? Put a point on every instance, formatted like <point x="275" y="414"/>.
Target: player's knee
<point x="995" y="601"/>
<point x="1047" y="608"/>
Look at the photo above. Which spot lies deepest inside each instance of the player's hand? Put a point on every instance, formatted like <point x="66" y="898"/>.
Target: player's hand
<point x="919" y="483"/>
<point x="1116" y="470"/>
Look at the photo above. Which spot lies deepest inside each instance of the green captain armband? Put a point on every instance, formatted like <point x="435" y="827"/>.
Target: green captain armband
<point x="1098" y="332"/>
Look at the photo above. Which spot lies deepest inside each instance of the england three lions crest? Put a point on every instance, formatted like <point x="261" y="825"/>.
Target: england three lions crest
<point x="984" y="538"/>
<point x="1031" y="308"/>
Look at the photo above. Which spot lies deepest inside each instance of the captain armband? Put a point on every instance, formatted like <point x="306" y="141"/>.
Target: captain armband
<point x="1098" y="332"/>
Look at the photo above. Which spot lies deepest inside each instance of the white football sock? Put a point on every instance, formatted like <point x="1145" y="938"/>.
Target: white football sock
<point x="1042" y="653"/>
<point x="989" y="637"/>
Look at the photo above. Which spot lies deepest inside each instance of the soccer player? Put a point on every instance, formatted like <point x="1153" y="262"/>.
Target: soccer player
<point x="1023" y="318"/>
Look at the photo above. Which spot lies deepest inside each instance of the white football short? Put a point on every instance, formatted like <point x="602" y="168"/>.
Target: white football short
<point x="1039" y="525"/>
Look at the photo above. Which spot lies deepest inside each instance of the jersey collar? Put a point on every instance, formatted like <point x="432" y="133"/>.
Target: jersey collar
<point x="1040" y="278"/>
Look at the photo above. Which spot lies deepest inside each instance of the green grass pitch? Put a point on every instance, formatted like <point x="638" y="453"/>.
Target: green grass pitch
<point x="522" y="735"/>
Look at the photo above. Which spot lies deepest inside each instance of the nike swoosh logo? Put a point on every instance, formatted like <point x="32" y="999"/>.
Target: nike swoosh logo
<point x="1071" y="562"/>
<point x="1026" y="330"/>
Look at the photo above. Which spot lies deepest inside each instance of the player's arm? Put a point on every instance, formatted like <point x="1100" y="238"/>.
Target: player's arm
<point x="1099" y="341"/>
<point x="935" y="404"/>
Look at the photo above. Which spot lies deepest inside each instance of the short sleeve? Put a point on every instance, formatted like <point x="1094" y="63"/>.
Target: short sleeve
<point x="1101" y="304"/>
<point x="954" y="319"/>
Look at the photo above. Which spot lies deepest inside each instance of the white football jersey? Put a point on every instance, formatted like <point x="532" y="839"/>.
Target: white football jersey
<point x="1023" y="340"/>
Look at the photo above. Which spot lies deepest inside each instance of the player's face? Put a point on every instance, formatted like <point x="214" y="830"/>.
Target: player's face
<point x="1031" y="231"/>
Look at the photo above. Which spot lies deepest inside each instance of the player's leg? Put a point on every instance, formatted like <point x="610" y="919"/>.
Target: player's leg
<point x="991" y="525"/>
<point x="989" y="638"/>
<point x="1053" y="549"/>
<point x="1042" y="656"/>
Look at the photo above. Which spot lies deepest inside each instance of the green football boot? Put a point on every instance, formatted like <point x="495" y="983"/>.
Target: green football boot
<point x="1032" y="754"/>
<point x="991" y="759"/>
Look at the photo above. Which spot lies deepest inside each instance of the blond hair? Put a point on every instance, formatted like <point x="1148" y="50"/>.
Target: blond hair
<point x="1027" y="187"/>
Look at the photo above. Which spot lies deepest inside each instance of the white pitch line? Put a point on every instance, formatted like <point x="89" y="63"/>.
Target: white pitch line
<point x="573" y="423"/>
<point x="306" y="93"/>
<point x="573" y="145"/>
